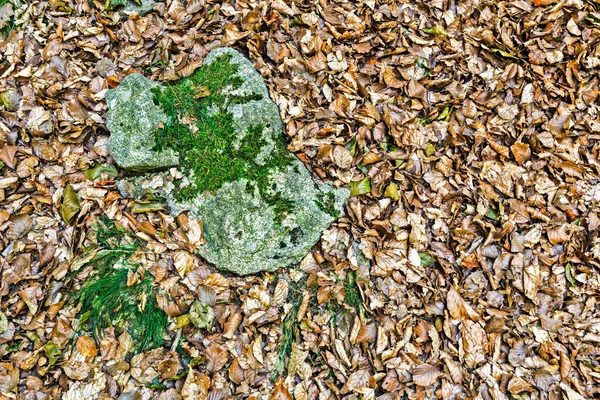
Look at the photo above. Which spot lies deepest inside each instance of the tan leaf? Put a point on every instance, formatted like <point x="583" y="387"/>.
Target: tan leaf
<point x="357" y="379"/>
<point x="425" y="374"/>
<point x="418" y="234"/>
<point x="458" y="308"/>
<point x="303" y="306"/>
<point x="216" y="357"/>
<point x="87" y="346"/>
<point x="8" y="155"/>
<point x="454" y="369"/>
<point x="389" y="78"/>
<point x="231" y="325"/>
<point x="341" y="157"/>
<point x="565" y="365"/>
<point x="280" y="293"/>
<point x="233" y="34"/>
<point x="518" y="385"/>
<point x="61" y="333"/>
<point x="370" y="158"/>
<point x="236" y="373"/>
<point x="184" y="262"/>
<point x="521" y="152"/>
<point x="367" y="334"/>
<point x="280" y="392"/>
<point x="558" y="235"/>
<point x="39" y="122"/>
<point x="257" y="349"/>
<point x="193" y="6"/>
<point x="207" y="295"/>
<point x="531" y="277"/>
<point x="195" y="386"/>
<point x="169" y="367"/>
<point x="499" y="148"/>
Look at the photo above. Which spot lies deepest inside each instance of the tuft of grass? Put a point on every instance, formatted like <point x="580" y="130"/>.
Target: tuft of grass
<point x="340" y="314"/>
<point x="290" y="328"/>
<point x="289" y="334"/>
<point x="201" y="130"/>
<point x="352" y="297"/>
<point x="106" y="299"/>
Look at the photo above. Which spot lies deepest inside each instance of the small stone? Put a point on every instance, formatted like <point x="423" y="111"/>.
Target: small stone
<point x="266" y="216"/>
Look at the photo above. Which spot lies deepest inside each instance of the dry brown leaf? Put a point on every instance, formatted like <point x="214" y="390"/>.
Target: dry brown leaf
<point x="521" y="152"/>
<point x="425" y="374"/>
<point x="184" y="262"/>
<point x="280" y="392"/>
<point x="87" y="346"/>
<point x="195" y="386"/>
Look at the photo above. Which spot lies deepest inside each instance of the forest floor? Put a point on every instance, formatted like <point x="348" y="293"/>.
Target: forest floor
<point x="465" y="267"/>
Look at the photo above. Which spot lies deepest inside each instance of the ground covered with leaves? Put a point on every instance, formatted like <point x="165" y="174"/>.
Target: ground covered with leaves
<point x="466" y="265"/>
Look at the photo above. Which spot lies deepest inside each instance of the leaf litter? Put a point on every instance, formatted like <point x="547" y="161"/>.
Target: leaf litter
<point x="466" y="265"/>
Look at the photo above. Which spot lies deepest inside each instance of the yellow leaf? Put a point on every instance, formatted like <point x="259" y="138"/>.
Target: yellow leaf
<point x="87" y="346"/>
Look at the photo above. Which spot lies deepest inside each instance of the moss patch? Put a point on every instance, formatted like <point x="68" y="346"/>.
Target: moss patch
<point x="106" y="299"/>
<point x="326" y="203"/>
<point x="201" y="129"/>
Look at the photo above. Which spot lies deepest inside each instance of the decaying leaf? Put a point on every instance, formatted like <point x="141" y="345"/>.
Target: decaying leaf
<point x="360" y="187"/>
<point x="202" y="315"/>
<point x="69" y="204"/>
<point x="425" y="374"/>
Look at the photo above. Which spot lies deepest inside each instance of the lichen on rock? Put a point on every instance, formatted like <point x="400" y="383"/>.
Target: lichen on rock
<point x="260" y="207"/>
<point x="133" y="120"/>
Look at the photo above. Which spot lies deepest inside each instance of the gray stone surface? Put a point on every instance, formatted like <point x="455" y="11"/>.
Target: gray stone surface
<point x="243" y="232"/>
<point x="133" y="120"/>
<point x="145" y="8"/>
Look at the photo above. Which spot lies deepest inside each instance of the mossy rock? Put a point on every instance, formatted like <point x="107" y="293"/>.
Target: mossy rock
<point x="142" y="7"/>
<point x="259" y="205"/>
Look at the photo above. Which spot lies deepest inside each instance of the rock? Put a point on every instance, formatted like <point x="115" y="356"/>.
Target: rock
<point x="260" y="208"/>
<point x="142" y="9"/>
<point x="133" y="120"/>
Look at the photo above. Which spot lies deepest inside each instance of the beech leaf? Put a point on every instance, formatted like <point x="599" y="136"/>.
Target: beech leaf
<point x="360" y="187"/>
<point x="69" y="205"/>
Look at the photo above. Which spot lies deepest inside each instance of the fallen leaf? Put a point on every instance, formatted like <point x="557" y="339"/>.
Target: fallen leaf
<point x="69" y="205"/>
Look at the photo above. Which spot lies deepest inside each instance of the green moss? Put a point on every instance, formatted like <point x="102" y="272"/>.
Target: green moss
<point x="106" y="299"/>
<point x="201" y="130"/>
<point x="326" y="203"/>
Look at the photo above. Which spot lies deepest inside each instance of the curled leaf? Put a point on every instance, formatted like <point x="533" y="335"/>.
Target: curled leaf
<point x="69" y="204"/>
<point x="569" y="274"/>
<point x="140" y="206"/>
<point x="436" y="30"/>
<point x="52" y="351"/>
<point x="3" y="322"/>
